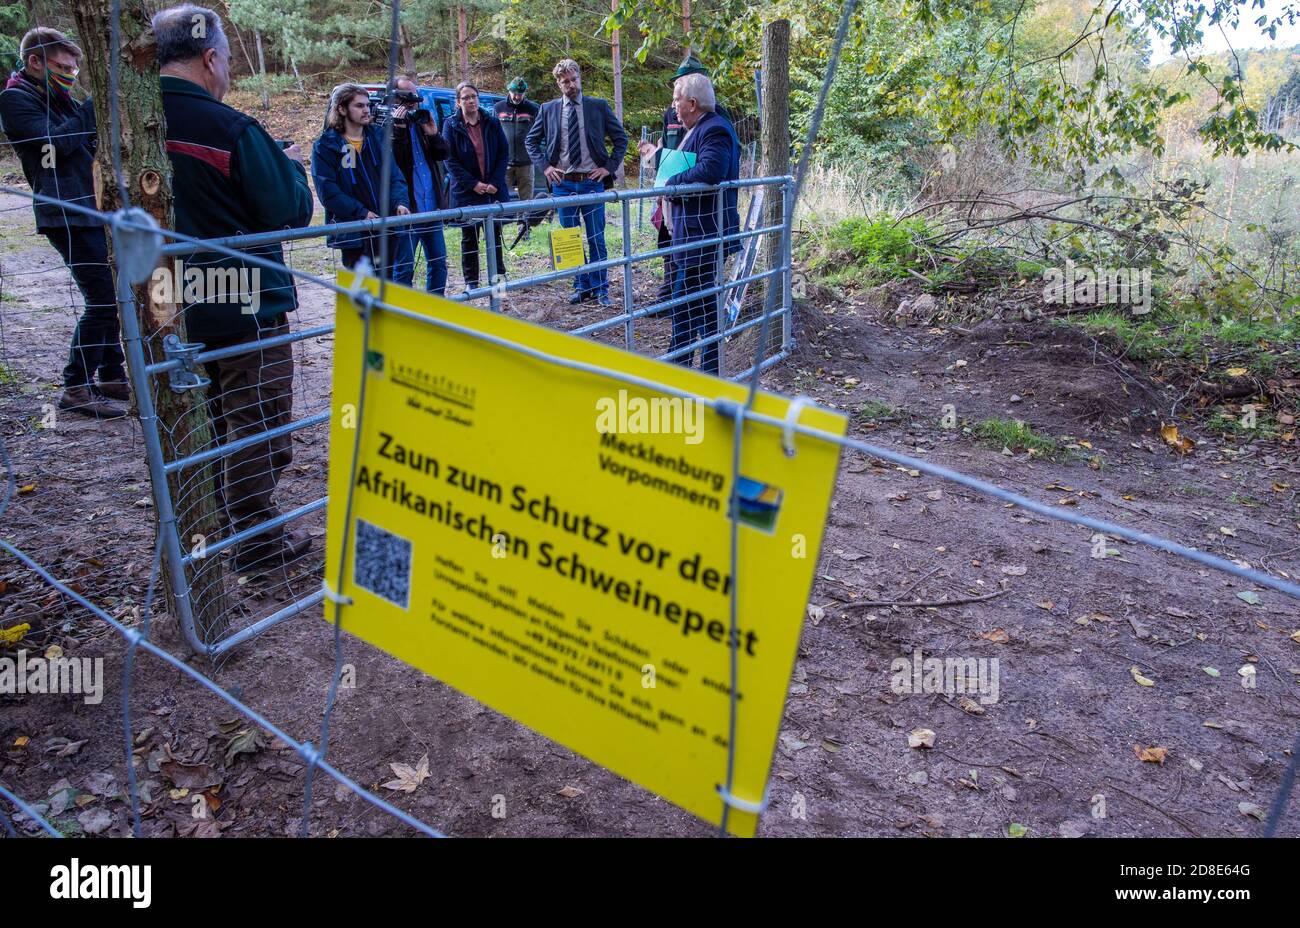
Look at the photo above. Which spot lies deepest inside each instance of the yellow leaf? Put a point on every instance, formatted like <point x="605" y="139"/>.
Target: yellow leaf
<point x="1170" y="434"/>
<point x="1236" y="371"/>
<point x="27" y="489"/>
<point x="1150" y="755"/>
<point x="997" y="636"/>
<point x="22" y="740"/>
<point x="1085" y="444"/>
<point x="1295" y="636"/>
<point x="13" y="634"/>
<point x="1141" y="680"/>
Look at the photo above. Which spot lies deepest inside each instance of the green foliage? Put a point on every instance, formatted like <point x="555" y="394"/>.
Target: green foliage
<point x="1215" y="343"/>
<point x="1014" y="435"/>
<point x="874" y="249"/>
<point x="275" y="83"/>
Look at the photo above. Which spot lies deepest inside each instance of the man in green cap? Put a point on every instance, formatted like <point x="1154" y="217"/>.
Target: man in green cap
<point x="672" y="138"/>
<point x="516" y="114"/>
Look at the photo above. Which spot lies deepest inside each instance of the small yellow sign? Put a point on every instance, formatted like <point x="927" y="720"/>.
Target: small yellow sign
<point x="566" y="248"/>
<point x="556" y="542"/>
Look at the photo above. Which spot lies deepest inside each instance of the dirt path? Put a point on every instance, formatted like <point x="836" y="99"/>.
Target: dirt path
<point x="1066" y="628"/>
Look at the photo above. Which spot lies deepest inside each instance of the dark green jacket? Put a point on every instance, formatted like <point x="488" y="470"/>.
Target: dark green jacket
<point x="230" y="178"/>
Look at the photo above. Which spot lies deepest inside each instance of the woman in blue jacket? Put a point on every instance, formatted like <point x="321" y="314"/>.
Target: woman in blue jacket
<point x="477" y="164"/>
<point x="346" y="167"/>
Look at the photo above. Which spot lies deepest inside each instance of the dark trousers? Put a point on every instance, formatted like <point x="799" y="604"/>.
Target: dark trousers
<point x="698" y="318"/>
<point x="250" y="393"/>
<point x="664" y="240"/>
<point x="95" y="340"/>
<point x="399" y="254"/>
<point x="469" y="252"/>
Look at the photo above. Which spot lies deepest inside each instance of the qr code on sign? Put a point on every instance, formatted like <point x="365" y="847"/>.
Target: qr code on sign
<point x="382" y="563"/>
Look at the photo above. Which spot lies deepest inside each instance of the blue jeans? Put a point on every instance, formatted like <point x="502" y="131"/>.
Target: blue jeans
<point x="595" y="283"/>
<point x="695" y="319"/>
<point x="435" y="259"/>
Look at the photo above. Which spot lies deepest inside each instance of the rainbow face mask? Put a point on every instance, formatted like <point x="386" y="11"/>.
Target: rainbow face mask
<point x="60" y="81"/>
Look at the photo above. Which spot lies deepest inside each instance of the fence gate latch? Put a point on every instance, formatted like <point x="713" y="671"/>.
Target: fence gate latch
<point x="186" y="377"/>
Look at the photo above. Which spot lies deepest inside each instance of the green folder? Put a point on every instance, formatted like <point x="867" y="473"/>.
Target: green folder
<point x="672" y="163"/>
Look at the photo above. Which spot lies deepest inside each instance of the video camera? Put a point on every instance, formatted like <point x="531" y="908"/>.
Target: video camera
<point x="381" y="111"/>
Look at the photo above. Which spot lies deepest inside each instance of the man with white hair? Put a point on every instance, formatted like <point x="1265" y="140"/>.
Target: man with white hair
<point x="230" y="177"/>
<point x="567" y="143"/>
<point x="695" y="216"/>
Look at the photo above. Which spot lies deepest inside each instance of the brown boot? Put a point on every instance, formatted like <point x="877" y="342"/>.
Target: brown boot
<point x="83" y="401"/>
<point x="259" y="555"/>
<point x="115" y="390"/>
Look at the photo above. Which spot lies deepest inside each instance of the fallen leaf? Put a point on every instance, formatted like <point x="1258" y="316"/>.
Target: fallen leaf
<point x="22" y="740"/>
<point x="409" y="778"/>
<point x="1212" y="671"/>
<point x="27" y="488"/>
<point x="1170" y="434"/>
<point x="1250" y="597"/>
<point x="1017" y="830"/>
<point x="971" y="706"/>
<point x="189" y="776"/>
<point x="1249" y="808"/>
<point x="816" y="614"/>
<point x="13" y="634"/>
<point x="1150" y="755"/>
<point x="178" y="794"/>
<point x="832" y="746"/>
<point x="997" y="636"/>
<point x="95" y="822"/>
<point x="1236" y="372"/>
<point x="1046" y="604"/>
<point x="571" y="792"/>
<point x="1141" y="680"/>
<point x="1015" y="570"/>
<point x="62" y="747"/>
<point x="247" y="741"/>
<point x="921" y="738"/>
<point x="1230" y="532"/>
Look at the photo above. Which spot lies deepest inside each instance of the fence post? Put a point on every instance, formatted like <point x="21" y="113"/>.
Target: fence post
<point x="640" y="181"/>
<point x="134" y="167"/>
<point x="720" y="307"/>
<point x="787" y="261"/>
<point x="629" y="299"/>
<point x="490" y="248"/>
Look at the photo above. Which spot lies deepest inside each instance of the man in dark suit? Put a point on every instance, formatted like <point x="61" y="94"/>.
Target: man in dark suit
<point x="694" y="217"/>
<point x="672" y="137"/>
<point x="567" y="142"/>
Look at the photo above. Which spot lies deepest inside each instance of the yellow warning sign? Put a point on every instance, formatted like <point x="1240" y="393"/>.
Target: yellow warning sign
<point x="566" y="248"/>
<point x="556" y="542"/>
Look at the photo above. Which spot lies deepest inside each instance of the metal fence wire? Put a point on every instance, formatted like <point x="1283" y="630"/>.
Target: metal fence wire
<point x="274" y="433"/>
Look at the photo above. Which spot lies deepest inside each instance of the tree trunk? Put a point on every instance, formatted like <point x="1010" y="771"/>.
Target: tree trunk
<point x="462" y="42"/>
<point x="774" y="139"/>
<point x="261" y="68"/>
<point x="686" y="25"/>
<point x="296" y="76"/>
<point x="239" y="36"/>
<point x="182" y="417"/>
<point x="408" y="50"/>
<point x="617" y="55"/>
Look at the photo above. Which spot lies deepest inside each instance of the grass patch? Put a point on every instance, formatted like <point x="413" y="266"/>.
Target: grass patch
<point x="876" y="411"/>
<point x="1016" y="436"/>
<point x="8" y="376"/>
<point x="1215" y="345"/>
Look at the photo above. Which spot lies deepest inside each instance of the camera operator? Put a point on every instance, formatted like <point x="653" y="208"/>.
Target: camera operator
<point x="419" y="150"/>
